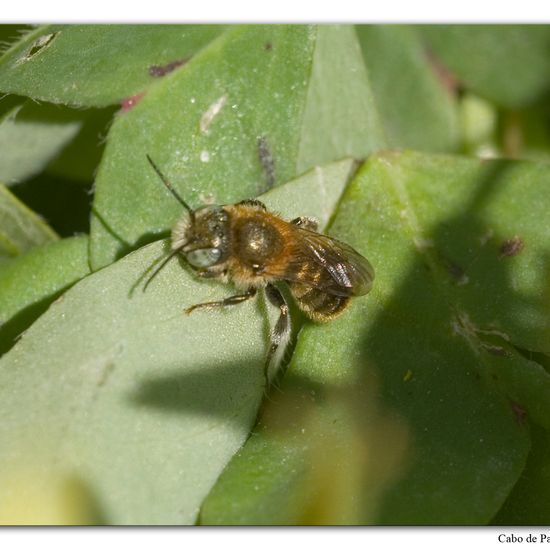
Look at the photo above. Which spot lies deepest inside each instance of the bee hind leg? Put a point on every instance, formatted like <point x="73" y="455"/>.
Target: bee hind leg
<point x="230" y="301"/>
<point x="281" y="331"/>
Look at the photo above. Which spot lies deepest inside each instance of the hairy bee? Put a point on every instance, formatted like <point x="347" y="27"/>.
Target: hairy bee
<point x="252" y="248"/>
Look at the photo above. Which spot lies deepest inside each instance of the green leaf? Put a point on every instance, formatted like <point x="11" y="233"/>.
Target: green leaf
<point x="31" y="135"/>
<point x="256" y="108"/>
<point x="416" y="109"/>
<point x="411" y="407"/>
<point x="29" y="284"/>
<point x="340" y="117"/>
<point x="20" y="228"/>
<point x="113" y="385"/>
<point x="507" y="64"/>
<point x="76" y="65"/>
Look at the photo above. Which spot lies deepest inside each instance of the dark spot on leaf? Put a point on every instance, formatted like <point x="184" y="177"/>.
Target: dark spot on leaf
<point x="446" y="78"/>
<point x="106" y="371"/>
<point x="267" y="161"/>
<point x="39" y="45"/>
<point x="268" y="46"/>
<point x="519" y="412"/>
<point x="497" y="350"/>
<point x="511" y="247"/>
<point x="162" y="70"/>
<point x="456" y="272"/>
<point x="129" y="102"/>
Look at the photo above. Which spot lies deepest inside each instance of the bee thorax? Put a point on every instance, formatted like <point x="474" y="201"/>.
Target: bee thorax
<point x="257" y="242"/>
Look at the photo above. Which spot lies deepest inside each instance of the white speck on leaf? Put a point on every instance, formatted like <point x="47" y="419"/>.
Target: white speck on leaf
<point x="207" y="198"/>
<point x="211" y="113"/>
<point x="423" y="244"/>
<point x="486" y="237"/>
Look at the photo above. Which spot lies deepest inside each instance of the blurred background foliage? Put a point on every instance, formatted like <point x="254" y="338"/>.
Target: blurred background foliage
<point x="455" y="123"/>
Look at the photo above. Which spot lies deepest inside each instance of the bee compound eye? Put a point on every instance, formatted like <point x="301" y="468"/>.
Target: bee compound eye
<point x="203" y="257"/>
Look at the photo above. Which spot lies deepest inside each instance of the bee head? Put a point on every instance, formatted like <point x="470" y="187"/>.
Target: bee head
<point x="203" y="237"/>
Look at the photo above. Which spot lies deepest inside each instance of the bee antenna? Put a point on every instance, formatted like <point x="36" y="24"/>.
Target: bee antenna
<point x="170" y="188"/>
<point x="160" y="267"/>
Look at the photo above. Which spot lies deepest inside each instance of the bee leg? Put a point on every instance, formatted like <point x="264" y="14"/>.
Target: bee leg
<point x="281" y="331"/>
<point x="230" y="301"/>
<point x="210" y="274"/>
<point x="306" y="223"/>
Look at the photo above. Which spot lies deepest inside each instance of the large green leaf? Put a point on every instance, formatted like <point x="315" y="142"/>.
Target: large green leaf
<point x="417" y="111"/>
<point x="28" y="284"/>
<point x="32" y="135"/>
<point x="117" y="391"/>
<point x="340" y="116"/>
<point x="412" y="407"/>
<point x="257" y="107"/>
<point x="97" y="65"/>
<point x="507" y="64"/>
<point x="20" y="228"/>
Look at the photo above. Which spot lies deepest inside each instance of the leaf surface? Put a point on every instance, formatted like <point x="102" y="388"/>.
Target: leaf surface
<point x="75" y="65"/>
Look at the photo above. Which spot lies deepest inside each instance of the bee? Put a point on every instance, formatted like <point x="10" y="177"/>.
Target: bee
<point x="255" y="249"/>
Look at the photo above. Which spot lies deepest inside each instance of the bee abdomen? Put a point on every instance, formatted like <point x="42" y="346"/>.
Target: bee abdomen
<point x="317" y="304"/>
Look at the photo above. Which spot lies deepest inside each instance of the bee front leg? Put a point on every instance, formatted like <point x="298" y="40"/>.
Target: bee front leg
<point x="281" y="331"/>
<point x="210" y="274"/>
<point x="230" y="301"/>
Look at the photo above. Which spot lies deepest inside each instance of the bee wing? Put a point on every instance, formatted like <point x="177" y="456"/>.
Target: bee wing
<point x="340" y="270"/>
